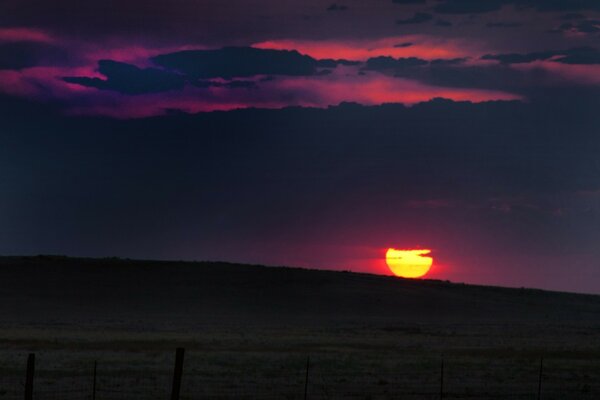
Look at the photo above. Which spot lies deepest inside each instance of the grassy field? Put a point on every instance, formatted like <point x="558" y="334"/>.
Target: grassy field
<point x="248" y="331"/>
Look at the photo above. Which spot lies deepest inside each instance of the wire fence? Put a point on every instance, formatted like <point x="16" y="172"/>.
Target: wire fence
<point x="300" y="377"/>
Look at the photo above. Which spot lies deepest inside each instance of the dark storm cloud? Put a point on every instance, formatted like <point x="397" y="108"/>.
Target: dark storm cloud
<point x="454" y="73"/>
<point x="491" y="144"/>
<point x="331" y="63"/>
<point x="468" y="6"/>
<point x="448" y="61"/>
<point x="408" y="1"/>
<point x="389" y="63"/>
<point x="532" y="83"/>
<point x="337" y="7"/>
<point x="18" y="55"/>
<point x="129" y="79"/>
<point x="562" y="5"/>
<point x="589" y="26"/>
<point x="579" y="55"/>
<point x="385" y="63"/>
<point x="500" y="77"/>
<point x="418" y="18"/>
<point x="181" y="185"/>
<point x="583" y="55"/>
<point x="232" y="62"/>
<point x="236" y="22"/>
<point x="233" y="84"/>
<point x="571" y="16"/>
<point x="515" y="58"/>
<point x="503" y="24"/>
<point x="143" y="186"/>
<point x="237" y="84"/>
<point x="119" y="18"/>
<point x="197" y="67"/>
<point x="442" y="22"/>
<point x="479" y="6"/>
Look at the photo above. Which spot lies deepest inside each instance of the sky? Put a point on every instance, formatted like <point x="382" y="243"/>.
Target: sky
<point x="307" y="133"/>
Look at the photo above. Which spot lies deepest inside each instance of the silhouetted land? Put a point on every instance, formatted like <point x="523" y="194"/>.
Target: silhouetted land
<point x="248" y="330"/>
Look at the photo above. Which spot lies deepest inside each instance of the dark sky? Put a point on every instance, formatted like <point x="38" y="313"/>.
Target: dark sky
<point x="307" y="133"/>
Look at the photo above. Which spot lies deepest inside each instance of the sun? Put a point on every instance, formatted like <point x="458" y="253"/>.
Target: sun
<point x="408" y="263"/>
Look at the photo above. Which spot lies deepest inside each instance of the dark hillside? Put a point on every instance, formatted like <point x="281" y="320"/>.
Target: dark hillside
<point x="155" y="295"/>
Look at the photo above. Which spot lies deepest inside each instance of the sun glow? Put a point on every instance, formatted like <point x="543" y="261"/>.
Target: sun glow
<point x="408" y="263"/>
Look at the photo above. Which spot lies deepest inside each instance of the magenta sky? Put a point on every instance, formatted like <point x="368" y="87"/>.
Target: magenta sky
<point x="307" y="133"/>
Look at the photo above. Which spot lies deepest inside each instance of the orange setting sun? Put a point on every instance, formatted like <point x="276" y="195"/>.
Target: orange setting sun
<point x="408" y="263"/>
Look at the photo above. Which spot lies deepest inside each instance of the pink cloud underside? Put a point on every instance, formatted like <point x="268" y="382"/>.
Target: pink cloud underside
<point x="375" y="88"/>
<point x="344" y="85"/>
<point x="422" y="46"/>
<point x="25" y="35"/>
<point x="45" y="83"/>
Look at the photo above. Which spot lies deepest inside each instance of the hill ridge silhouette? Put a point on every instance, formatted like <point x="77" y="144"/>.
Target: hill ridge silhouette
<point x="146" y="294"/>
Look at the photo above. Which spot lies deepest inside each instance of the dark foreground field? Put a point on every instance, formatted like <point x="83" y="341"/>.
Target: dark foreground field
<point x="248" y="331"/>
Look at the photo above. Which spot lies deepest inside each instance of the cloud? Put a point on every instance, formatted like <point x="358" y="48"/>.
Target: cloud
<point x="345" y="173"/>
<point x="131" y="97"/>
<point x="208" y="80"/>
<point x="230" y="62"/>
<point x="129" y="79"/>
<point x="503" y="24"/>
<point x="483" y="77"/>
<point x="383" y="63"/>
<point x="561" y="5"/>
<point x="408" y="1"/>
<point x="579" y="55"/>
<point x="468" y="6"/>
<point x="515" y="58"/>
<point x="531" y="75"/>
<point x="237" y="83"/>
<point x="423" y="46"/>
<point x="589" y="26"/>
<point x="331" y="63"/>
<point x="25" y="54"/>
<point x="336" y="7"/>
<point x="390" y="63"/>
<point x="418" y="18"/>
<point x="531" y="81"/>
<point x="215" y="23"/>
<point x="496" y="157"/>
<point x="582" y="55"/>
<point x="451" y="61"/>
<point x="571" y="16"/>
<point x="442" y="22"/>
<point x="404" y="44"/>
<point x="478" y="6"/>
<point x="531" y="78"/>
<point x="25" y="35"/>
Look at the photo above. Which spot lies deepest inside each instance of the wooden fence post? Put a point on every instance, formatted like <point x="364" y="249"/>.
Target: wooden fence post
<point x="539" y="396"/>
<point x="177" y="373"/>
<point x="29" y="377"/>
<point x="442" y="379"/>
<point x="94" y="382"/>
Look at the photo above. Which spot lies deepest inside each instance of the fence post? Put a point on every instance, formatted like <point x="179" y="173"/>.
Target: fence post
<point x="539" y="396"/>
<point x="306" y="378"/>
<point x="29" y="377"/>
<point x="442" y="379"/>
<point x="177" y="373"/>
<point x="94" y="382"/>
